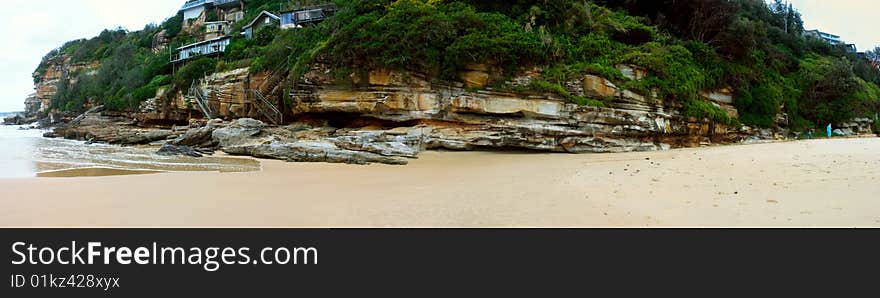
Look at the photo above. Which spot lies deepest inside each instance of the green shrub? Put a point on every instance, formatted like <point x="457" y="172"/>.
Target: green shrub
<point x="583" y="101"/>
<point x="194" y="70"/>
<point x="704" y="110"/>
<point x="548" y="87"/>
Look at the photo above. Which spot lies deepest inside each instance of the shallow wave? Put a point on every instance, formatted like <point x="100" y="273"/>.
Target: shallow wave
<point x="43" y="155"/>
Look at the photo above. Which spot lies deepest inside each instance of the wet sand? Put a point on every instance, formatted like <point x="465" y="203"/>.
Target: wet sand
<point x="818" y="183"/>
<point x="93" y="172"/>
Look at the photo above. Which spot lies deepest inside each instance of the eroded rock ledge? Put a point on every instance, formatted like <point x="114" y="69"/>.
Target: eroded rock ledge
<point x="388" y="117"/>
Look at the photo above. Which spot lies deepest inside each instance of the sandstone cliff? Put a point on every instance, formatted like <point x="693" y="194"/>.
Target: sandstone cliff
<point x="390" y="116"/>
<point x="386" y="116"/>
<point x="56" y="70"/>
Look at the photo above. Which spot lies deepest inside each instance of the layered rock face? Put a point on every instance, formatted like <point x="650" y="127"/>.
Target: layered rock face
<point x="456" y="118"/>
<point x="857" y="126"/>
<point x="58" y="68"/>
<point x="226" y="93"/>
<point x="389" y="117"/>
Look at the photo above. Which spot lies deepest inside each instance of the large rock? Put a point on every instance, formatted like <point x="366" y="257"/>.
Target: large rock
<point x="237" y="132"/>
<point x="632" y="72"/>
<point x="14" y="120"/>
<point x="595" y="86"/>
<point x="724" y="95"/>
<point x="382" y="143"/>
<point x="474" y="78"/>
<point x="172" y="150"/>
<point x="859" y="126"/>
<point x="310" y="151"/>
<point x="140" y="137"/>
<point x="844" y="132"/>
<point x="292" y="143"/>
<point x="201" y="137"/>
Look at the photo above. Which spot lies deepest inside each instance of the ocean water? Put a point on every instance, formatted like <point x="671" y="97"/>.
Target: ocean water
<point x="25" y="153"/>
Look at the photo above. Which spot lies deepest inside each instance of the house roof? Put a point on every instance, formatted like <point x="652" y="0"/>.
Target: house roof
<point x="204" y="42"/>
<point x="196" y="3"/>
<point x="328" y="7"/>
<point x="262" y="13"/>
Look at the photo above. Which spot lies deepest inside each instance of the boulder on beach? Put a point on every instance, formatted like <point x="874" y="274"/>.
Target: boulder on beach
<point x="172" y="150"/>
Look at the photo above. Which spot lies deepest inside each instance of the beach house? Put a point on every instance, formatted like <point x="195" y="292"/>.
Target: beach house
<point x="832" y="39"/>
<point x="216" y="29"/>
<point x="211" y="47"/>
<point x="264" y="19"/>
<point x="300" y="17"/>
<point x="195" y="12"/>
<point x="827" y="37"/>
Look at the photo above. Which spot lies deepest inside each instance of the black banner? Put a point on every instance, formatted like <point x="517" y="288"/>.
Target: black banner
<point x="272" y="262"/>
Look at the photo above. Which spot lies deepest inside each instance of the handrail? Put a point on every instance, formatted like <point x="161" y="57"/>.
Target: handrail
<point x="275" y="75"/>
<point x="267" y="108"/>
<point x="202" y="102"/>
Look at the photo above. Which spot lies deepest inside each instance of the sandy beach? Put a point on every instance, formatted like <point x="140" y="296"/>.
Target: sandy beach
<point x="819" y="183"/>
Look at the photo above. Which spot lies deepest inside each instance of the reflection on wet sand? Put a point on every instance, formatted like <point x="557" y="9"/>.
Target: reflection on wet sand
<point x="93" y="172"/>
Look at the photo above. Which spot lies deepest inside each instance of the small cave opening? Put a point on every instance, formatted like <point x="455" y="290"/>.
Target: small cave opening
<point x="350" y="121"/>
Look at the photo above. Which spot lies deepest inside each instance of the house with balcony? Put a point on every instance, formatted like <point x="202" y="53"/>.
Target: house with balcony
<point x="827" y="37"/>
<point x="298" y="18"/>
<point x="211" y="47"/>
<point x="195" y="11"/>
<point x="264" y="19"/>
<point x="831" y="39"/>
<point x="216" y="29"/>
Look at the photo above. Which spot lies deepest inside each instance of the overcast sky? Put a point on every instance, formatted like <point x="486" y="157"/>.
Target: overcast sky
<point x="31" y="28"/>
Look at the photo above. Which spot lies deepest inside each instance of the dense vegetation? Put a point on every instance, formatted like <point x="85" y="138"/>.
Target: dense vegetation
<point x="757" y="49"/>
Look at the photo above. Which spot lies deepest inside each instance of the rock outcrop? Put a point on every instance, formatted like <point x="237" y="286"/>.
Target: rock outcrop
<point x="251" y="137"/>
<point x="56" y="70"/>
<point x="172" y="150"/>
<point x="111" y="128"/>
<point x="389" y="117"/>
<point x="855" y="127"/>
<point x="457" y="118"/>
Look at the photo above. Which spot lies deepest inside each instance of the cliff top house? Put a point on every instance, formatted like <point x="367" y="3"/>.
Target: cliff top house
<point x="209" y="47"/>
<point x="832" y="39"/>
<point x="195" y="12"/>
<point x="192" y="9"/>
<point x="827" y="37"/>
<point x="265" y="18"/>
<point x="215" y="36"/>
<point x="297" y="18"/>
